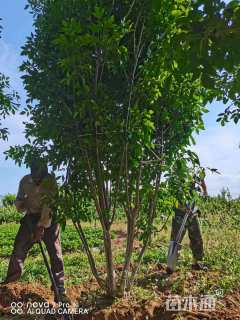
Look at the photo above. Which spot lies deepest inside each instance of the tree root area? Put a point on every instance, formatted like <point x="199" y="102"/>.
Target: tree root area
<point x="102" y="308"/>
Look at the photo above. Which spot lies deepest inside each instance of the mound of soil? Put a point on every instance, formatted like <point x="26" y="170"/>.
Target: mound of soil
<point x="227" y="308"/>
<point x="22" y="292"/>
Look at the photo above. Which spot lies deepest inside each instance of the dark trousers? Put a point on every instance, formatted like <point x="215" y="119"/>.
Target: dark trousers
<point x="194" y="232"/>
<point x="23" y="243"/>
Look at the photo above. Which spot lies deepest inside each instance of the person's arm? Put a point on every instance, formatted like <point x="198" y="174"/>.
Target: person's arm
<point x="46" y="218"/>
<point x="204" y="187"/>
<point x="43" y="223"/>
<point x="20" y="199"/>
<point x="50" y="186"/>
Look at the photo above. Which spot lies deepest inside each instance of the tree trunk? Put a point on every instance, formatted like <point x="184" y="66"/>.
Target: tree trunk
<point x="89" y="254"/>
<point x="151" y="215"/>
<point x="128" y="254"/>
<point x="111" y="277"/>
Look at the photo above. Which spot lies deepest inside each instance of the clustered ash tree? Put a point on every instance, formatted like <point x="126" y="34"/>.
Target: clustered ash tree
<point x="119" y="88"/>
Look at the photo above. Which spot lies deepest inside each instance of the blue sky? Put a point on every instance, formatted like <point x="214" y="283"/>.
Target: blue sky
<point x="217" y="147"/>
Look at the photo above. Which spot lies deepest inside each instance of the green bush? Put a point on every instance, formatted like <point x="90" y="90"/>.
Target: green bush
<point x="226" y="210"/>
<point x="7" y="236"/>
<point x="9" y="214"/>
<point x="8" y="200"/>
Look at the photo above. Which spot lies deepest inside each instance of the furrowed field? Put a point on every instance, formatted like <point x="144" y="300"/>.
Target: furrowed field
<point x="220" y="222"/>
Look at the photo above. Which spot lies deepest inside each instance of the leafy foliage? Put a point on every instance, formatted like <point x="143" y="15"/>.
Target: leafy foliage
<point x="225" y="208"/>
<point x="120" y="88"/>
<point x="9" y="214"/>
<point x="8" y="200"/>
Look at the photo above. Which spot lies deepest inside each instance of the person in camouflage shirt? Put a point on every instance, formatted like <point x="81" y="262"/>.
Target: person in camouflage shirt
<point x="36" y="193"/>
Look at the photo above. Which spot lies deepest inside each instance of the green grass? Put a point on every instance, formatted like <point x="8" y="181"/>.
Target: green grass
<point x="220" y="234"/>
<point x="155" y="255"/>
<point x="69" y="239"/>
<point x="75" y="260"/>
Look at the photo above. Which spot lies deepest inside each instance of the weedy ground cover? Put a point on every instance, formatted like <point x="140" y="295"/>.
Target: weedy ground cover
<point x="220" y="233"/>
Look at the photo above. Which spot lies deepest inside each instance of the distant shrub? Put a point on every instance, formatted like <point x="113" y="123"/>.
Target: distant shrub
<point x="9" y="214"/>
<point x="224" y="207"/>
<point x="8" y="200"/>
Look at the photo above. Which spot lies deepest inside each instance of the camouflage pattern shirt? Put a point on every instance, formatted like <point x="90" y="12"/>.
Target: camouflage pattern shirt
<point x="37" y="199"/>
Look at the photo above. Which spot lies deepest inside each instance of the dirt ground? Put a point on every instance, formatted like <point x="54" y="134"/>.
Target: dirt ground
<point x="227" y="308"/>
<point x="95" y="306"/>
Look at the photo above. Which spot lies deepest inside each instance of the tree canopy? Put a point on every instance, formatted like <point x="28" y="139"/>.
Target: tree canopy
<point x="116" y="90"/>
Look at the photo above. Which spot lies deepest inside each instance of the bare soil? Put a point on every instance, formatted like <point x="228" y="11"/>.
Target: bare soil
<point x="102" y="308"/>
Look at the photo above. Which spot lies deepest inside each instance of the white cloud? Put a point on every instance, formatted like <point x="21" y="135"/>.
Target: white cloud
<point x="16" y="137"/>
<point x="9" y="66"/>
<point x="218" y="147"/>
<point x="10" y="60"/>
